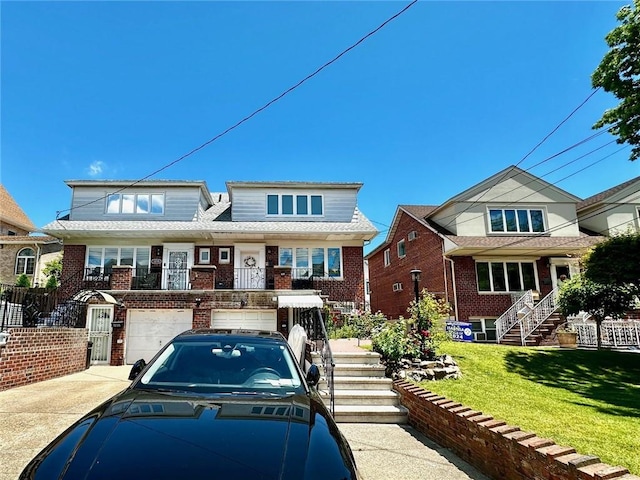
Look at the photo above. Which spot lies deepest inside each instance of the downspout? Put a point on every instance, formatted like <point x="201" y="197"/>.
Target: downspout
<point x="36" y="269"/>
<point x="453" y="282"/>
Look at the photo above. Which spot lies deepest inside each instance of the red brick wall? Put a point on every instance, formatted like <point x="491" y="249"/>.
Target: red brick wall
<point x="423" y="253"/>
<point x="72" y="269"/>
<point x="474" y="304"/>
<point x="351" y="288"/>
<point x="497" y="449"/>
<point x="36" y="354"/>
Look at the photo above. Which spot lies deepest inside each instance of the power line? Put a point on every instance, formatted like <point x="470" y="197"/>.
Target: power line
<point x="257" y="111"/>
<point x="555" y="129"/>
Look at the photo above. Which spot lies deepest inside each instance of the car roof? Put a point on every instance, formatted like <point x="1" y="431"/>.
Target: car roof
<point x="200" y="334"/>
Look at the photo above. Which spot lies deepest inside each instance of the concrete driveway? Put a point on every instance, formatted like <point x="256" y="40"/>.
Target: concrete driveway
<point x="33" y="415"/>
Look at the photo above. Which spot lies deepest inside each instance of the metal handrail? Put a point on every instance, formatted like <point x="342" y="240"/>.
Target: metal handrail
<point x="509" y="319"/>
<point x="536" y="316"/>
<point x="313" y="324"/>
<point x="328" y="364"/>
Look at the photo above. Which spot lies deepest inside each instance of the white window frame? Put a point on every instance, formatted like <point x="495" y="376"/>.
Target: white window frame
<point x="397" y="287"/>
<point x="222" y="253"/>
<point x="135" y="249"/>
<point x="309" y="256"/>
<point x="204" y="257"/>
<point x="484" y="329"/>
<point x="412" y="235"/>
<point x="517" y="231"/>
<point x="401" y="245"/>
<point x="504" y="262"/>
<point x="387" y="257"/>
<point x="28" y="262"/>
<point x="116" y="205"/>
<point x="295" y="213"/>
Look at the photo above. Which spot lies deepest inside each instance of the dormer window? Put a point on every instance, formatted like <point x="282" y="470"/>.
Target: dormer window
<point x="136" y="203"/>
<point x="521" y="220"/>
<point x="290" y="205"/>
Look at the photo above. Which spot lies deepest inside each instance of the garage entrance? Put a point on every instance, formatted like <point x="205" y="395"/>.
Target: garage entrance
<point x="148" y="330"/>
<point x="245" y="319"/>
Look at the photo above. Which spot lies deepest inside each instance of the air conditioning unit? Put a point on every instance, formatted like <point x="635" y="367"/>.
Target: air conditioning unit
<point x="397" y="287"/>
<point x="480" y="336"/>
<point x="412" y="235"/>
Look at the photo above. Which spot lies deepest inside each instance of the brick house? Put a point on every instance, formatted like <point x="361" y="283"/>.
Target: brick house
<point x="21" y="252"/>
<point x="174" y="256"/>
<point x="490" y="251"/>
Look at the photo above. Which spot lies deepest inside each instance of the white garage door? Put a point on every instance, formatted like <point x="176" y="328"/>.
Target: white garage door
<point x="149" y="330"/>
<point x="245" y="319"/>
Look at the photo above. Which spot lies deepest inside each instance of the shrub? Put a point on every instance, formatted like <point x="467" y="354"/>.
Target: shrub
<point x="23" y="281"/>
<point x="394" y="342"/>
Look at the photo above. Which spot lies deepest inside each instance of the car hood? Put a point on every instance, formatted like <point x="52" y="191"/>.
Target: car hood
<point x="141" y="434"/>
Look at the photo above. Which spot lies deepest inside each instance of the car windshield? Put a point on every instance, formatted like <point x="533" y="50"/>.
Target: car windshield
<point x="224" y="366"/>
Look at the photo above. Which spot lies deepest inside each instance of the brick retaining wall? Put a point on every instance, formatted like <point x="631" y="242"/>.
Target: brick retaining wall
<point x="36" y="354"/>
<point x="499" y="450"/>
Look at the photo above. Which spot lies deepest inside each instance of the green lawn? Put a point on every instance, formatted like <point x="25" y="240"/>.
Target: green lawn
<point x="588" y="400"/>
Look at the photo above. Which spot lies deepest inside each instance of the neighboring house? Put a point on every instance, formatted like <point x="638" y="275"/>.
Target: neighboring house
<point x="176" y="256"/>
<point x="482" y="250"/>
<point x="20" y="251"/>
<point x="612" y="211"/>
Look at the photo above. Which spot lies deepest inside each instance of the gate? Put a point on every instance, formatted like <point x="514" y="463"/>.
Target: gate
<point x="99" y="323"/>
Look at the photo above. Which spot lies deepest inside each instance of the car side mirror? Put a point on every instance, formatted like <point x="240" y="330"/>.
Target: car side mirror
<point x="137" y="368"/>
<point x="313" y="375"/>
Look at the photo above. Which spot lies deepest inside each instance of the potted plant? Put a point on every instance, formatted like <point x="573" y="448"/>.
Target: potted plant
<point x="567" y="335"/>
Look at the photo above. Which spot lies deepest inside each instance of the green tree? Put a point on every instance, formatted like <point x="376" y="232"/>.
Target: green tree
<point x="619" y="73"/>
<point x="615" y="261"/>
<point x="601" y="300"/>
<point x="23" y="281"/>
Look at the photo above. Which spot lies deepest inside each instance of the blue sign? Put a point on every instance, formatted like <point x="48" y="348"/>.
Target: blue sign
<point x="460" y="331"/>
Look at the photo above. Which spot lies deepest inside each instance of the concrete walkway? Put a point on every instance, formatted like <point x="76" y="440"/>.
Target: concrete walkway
<point x="33" y="415"/>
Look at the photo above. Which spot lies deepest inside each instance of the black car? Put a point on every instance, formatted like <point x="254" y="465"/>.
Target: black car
<point x="211" y="404"/>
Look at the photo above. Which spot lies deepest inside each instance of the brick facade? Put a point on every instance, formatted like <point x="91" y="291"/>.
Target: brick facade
<point x="423" y="253"/>
<point x="495" y="448"/>
<point x="36" y="354"/>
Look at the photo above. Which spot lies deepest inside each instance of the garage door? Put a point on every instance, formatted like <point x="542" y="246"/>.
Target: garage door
<point x="245" y="319"/>
<point x="149" y="330"/>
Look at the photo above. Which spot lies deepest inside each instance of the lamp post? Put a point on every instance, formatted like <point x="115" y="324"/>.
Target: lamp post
<point x="415" y="276"/>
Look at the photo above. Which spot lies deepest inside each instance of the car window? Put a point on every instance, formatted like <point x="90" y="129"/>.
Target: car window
<point x="241" y="366"/>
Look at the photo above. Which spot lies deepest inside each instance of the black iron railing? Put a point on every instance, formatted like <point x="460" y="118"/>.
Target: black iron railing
<point x="313" y="323"/>
<point x="37" y="307"/>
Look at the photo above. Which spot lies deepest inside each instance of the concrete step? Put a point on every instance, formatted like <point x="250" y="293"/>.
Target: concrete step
<point x="363" y="358"/>
<point x="357" y="370"/>
<point x="358" y="383"/>
<point x="371" y="414"/>
<point x="362" y="397"/>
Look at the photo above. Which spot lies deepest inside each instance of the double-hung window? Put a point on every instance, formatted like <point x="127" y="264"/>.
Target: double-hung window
<point x="496" y="276"/>
<point x="312" y="261"/>
<point x="25" y="261"/>
<point x="509" y="220"/>
<point x="103" y="259"/>
<point x="294" y="205"/>
<point x="387" y="257"/>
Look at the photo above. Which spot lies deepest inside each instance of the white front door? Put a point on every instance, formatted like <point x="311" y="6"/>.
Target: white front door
<point x="249" y="271"/>
<point x="99" y="323"/>
<point x="177" y="261"/>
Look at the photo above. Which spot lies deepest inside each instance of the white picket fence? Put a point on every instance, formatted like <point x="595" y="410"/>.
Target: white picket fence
<point x="615" y="333"/>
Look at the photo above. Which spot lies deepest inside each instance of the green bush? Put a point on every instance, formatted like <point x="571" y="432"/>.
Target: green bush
<point x="395" y="341"/>
<point x="358" y="324"/>
<point x="23" y="281"/>
<point x="52" y="282"/>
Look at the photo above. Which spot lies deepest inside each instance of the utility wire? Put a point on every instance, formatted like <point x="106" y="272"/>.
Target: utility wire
<point x="264" y="107"/>
<point x="555" y="129"/>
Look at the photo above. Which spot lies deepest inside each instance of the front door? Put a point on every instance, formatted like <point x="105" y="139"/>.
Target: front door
<point x="100" y="317"/>
<point x="177" y="262"/>
<point x="562" y="270"/>
<point x="249" y="271"/>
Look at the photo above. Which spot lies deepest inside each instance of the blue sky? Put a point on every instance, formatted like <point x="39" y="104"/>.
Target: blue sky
<point x="444" y="96"/>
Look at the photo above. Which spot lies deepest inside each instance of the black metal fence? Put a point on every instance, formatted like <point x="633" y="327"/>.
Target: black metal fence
<point x="38" y="307"/>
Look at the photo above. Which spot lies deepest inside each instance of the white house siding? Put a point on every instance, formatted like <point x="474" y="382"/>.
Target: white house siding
<point x="249" y="204"/>
<point x="181" y="203"/>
